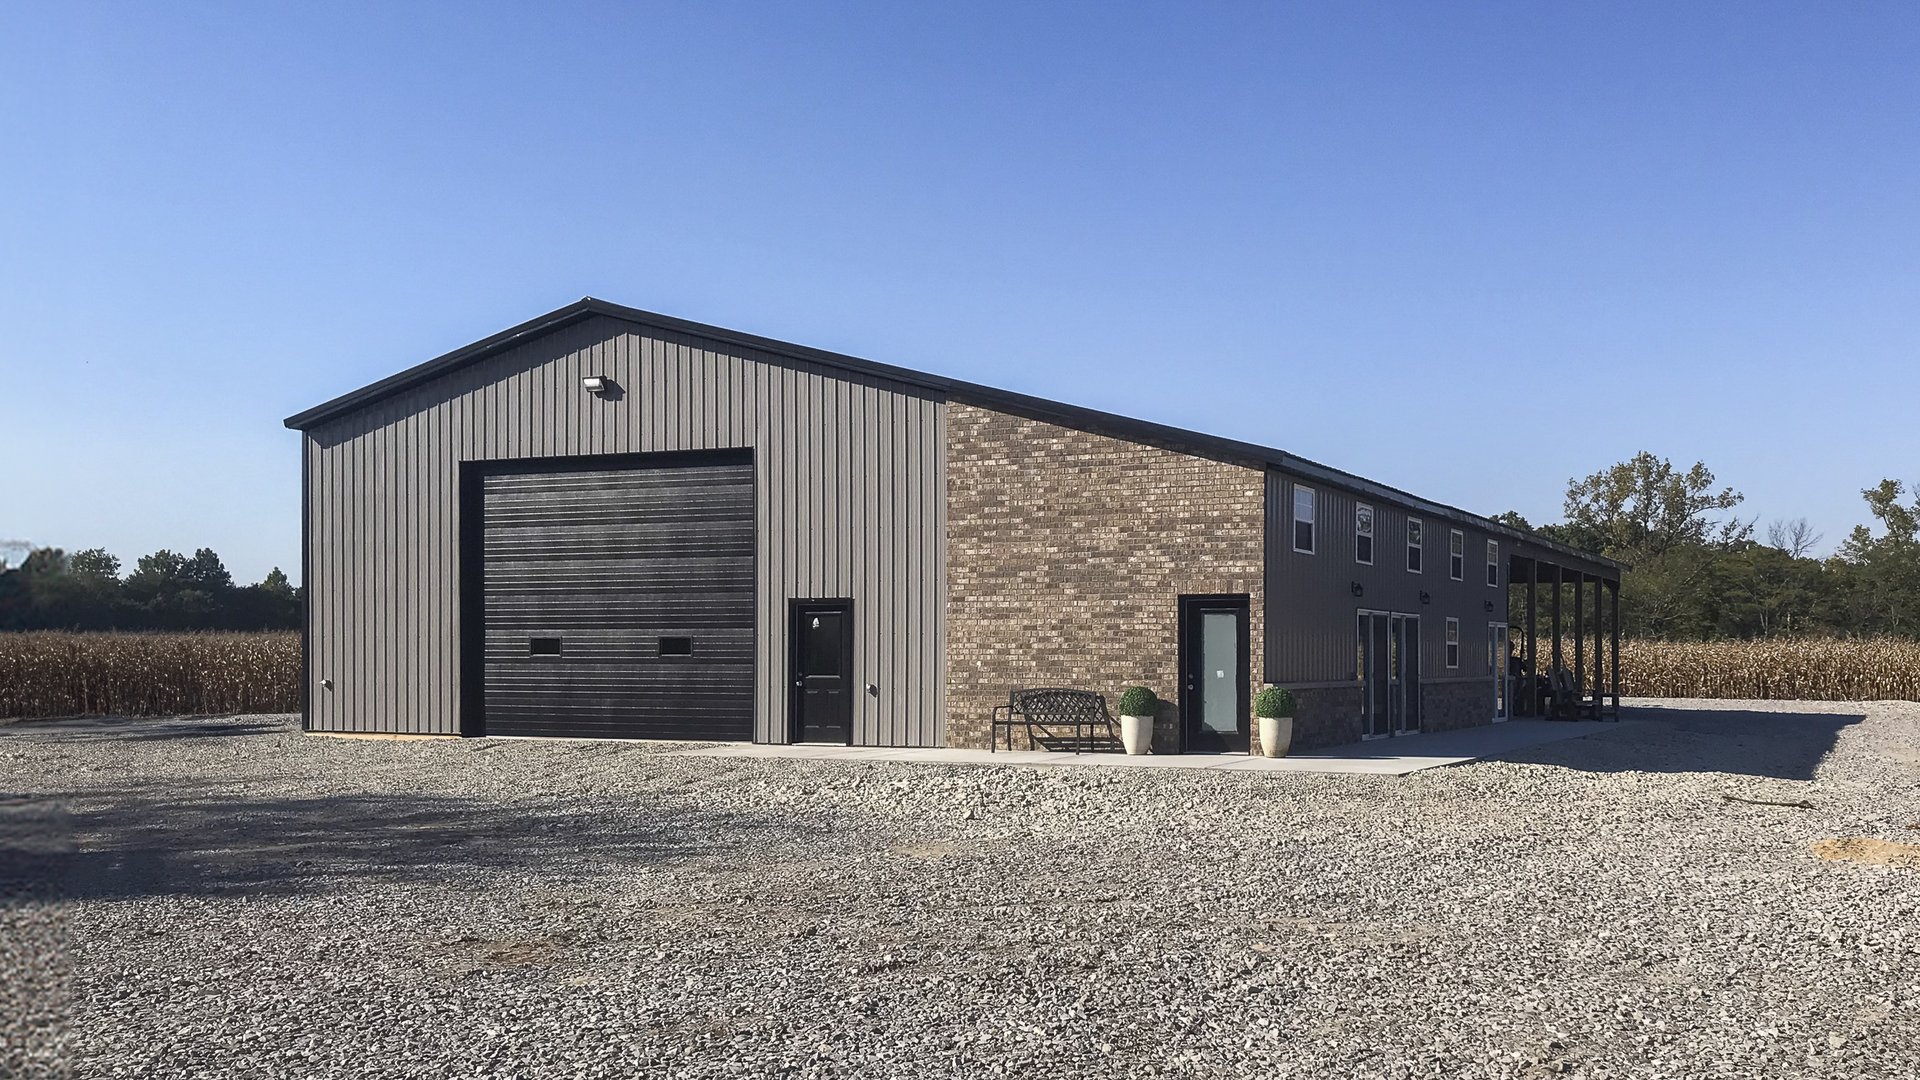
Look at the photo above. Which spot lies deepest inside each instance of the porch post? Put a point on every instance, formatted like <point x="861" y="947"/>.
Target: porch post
<point x="1579" y="640"/>
<point x="1616" y="650"/>
<point x="1559" y="586"/>
<point x="1531" y="669"/>
<point x="1599" y="646"/>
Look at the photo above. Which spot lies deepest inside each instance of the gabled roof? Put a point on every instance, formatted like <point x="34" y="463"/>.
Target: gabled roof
<point x="1106" y="423"/>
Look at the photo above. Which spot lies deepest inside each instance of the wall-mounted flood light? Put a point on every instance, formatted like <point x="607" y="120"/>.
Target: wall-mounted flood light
<point x="595" y="384"/>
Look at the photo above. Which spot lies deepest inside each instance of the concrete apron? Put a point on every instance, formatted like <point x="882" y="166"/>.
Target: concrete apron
<point x="1380" y="757"/>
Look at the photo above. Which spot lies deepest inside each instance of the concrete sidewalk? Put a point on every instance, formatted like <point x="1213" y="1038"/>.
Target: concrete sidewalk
<point x="1381" y="757"/>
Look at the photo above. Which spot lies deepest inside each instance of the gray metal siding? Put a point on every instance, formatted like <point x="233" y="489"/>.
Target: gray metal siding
<point x="848" y="502"/>
<point x="1310" y="603"/>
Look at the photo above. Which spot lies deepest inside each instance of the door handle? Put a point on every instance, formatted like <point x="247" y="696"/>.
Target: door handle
<point x="799" y="682"/>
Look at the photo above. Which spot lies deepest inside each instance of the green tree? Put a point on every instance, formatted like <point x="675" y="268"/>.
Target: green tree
<point x="96" y="564"/>
<point x="1884" y="586"/>
<point x="180" y="593"/>
<point x="1645" y="506"/>
<point x="271" y="604"/>
<point x="1667" y="524"/>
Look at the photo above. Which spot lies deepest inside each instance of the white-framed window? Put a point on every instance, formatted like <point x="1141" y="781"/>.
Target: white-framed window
<point x="1453" y="643"/>
<point x="1456" y="554"/>
<point x="1493" y="564"/>
<point x="1363" y="533"/>
<point x="1303" y="507"/>
<point x="1415" y="543"/>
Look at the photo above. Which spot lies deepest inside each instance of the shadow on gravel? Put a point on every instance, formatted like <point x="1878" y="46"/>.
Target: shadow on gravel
<point x="161" y="841"/>
<point x="1782" y="745"/>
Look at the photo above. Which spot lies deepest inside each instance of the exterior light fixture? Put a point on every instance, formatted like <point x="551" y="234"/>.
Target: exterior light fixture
<point x="1357" y="589"/>
<point x="1489" y="605"/>
<point x="595" y="384"/>
<point x="1426" y="597"/>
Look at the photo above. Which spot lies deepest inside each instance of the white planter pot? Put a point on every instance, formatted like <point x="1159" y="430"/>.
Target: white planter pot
<point x="1276" y="735"/>
<point x="1136" y="734"/>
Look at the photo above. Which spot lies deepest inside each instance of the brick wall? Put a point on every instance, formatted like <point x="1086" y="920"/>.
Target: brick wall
<point x="1066" y="554"/>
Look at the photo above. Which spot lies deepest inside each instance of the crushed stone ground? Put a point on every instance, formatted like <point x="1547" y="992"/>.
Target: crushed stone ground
<point x="229" y="898"/>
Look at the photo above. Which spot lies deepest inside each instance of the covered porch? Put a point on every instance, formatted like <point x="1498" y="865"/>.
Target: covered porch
<point x="1563" y="611"/>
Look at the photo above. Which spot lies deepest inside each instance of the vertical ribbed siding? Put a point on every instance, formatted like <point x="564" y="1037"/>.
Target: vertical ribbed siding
<point x="1310" y="603"/>
<point x="848" y="502"/>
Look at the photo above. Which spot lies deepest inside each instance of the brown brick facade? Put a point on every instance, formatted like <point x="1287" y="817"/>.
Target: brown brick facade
<point x="1067" y="552"/>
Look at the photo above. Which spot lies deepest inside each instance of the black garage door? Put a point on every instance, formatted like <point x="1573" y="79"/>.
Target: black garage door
<point x="618" y="602"/>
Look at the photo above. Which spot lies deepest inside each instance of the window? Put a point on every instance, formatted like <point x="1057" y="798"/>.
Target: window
<point x="1413" y="545"/>
<point x="543" y="646"/>
<point x="1456" y="555"/>
<point x="1363" y="533"/>
<point x="1493" y="564"/>
<point x="1303" y="519"/>
<point x="1453" y="643"/>
<point x="676" y="646"/>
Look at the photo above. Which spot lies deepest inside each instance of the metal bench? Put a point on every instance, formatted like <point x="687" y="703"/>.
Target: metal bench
<point x="1048" y="707"/>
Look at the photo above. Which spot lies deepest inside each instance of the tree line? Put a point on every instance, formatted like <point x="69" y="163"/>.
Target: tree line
<point x="52" y="590"/>
<point x="1698" y="571"/>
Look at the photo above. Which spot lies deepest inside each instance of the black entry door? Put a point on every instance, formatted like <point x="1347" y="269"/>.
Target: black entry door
<point x="821" y="707"/>
<point x="1214" y="673"/>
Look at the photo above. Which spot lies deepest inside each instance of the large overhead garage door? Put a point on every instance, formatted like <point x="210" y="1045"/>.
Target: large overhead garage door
<point x="618" y="602"/>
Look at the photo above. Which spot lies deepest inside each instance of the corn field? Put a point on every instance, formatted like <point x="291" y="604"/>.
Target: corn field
<point x="1807" y="669"/>
<point x="62" y="674"/>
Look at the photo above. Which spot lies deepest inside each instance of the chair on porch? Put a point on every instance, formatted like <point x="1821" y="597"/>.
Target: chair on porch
<point x="1563" y="698"/>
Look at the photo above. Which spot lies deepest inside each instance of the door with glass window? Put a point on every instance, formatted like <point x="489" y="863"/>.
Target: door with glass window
<point x="1214" y="673"/>
<point x="1406" y="674"/>
<point x="1388" y="666"/>
<point x="1498" y="669"/>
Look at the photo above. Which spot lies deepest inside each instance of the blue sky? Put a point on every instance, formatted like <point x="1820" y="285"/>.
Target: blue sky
<point x="1472" y="250"/>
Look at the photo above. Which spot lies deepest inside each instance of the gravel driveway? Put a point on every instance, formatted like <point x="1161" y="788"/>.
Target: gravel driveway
<point x="215" y="898"/>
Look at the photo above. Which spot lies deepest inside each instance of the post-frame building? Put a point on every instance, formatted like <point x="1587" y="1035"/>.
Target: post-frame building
<point x="606" y="522"/>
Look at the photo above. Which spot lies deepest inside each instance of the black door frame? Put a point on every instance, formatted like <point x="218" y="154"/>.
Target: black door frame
<point x="1189" y="606"/>
<point x="1393" y="657"/>
<point x="795" y="606"/>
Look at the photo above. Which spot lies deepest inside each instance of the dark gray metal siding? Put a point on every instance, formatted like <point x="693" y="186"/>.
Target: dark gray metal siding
<point x="849" y="501"/>
<point x="1310" y="603"/>
<point x="601" y="565"/>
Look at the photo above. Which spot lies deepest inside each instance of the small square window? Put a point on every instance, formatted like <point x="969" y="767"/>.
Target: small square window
<point x="543" y="646"/>
<point x="676" y="646"/>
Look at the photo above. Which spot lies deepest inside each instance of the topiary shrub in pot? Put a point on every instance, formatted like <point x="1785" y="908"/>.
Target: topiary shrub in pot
<point x="1137" y="706"/>
<point x="1274" y="710"/>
